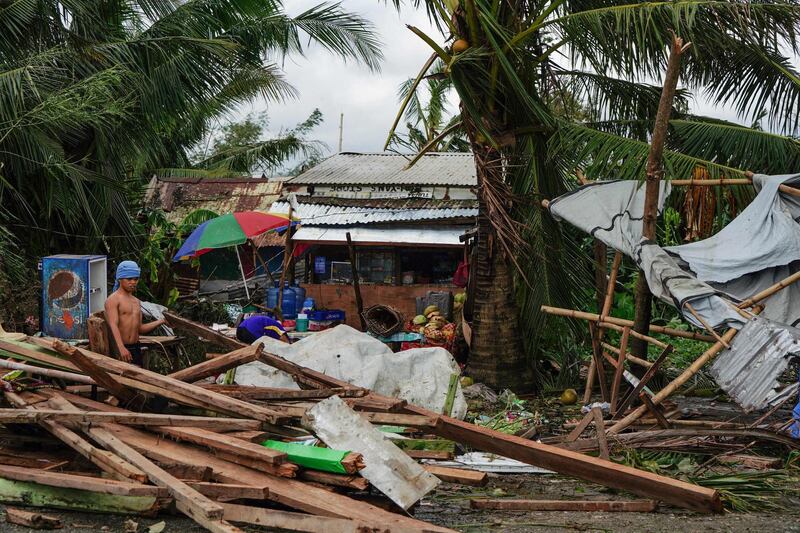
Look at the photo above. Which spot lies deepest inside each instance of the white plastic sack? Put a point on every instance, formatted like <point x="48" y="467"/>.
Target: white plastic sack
<point x="421" y="376"/>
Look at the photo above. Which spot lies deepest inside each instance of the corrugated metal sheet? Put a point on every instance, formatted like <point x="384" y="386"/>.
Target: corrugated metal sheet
<point x="178" y="198"/>
<point x="393" y="203"/>
<point x="447" y="236"/>
<point x="456" y="169"/>
<point x="333" y="215"/>
<point x="758" y="355"/>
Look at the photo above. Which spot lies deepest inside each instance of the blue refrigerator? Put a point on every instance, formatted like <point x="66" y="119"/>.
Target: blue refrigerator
<point x="73" y="287"/>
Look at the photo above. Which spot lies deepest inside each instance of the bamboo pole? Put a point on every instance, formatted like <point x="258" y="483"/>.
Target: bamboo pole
<point x="705" y="324"/>
<point x="693" y="369"/>
<point x="628" y="356"/>
<point x="592" y="317"/>
<point x="617" y="382"/>
<point x="644" y="338"/>
<point x="793" y="191"/>
<point x="766" y="293"/>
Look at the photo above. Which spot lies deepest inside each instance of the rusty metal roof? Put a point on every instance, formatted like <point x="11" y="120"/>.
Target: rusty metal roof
<point x="453" y="169"/>
<point x="179" y="197"/>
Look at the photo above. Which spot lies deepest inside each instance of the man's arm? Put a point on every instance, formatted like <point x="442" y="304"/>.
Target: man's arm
<point x="112" y="317"/>
<point x="144" y="329"/>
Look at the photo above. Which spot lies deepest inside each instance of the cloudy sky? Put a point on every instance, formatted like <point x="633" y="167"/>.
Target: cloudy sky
<point x="367" y="99"/>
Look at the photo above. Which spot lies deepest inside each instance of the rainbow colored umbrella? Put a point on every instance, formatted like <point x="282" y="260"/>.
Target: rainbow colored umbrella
<point x="229" y="230"/>
<point x="232" y="229"/>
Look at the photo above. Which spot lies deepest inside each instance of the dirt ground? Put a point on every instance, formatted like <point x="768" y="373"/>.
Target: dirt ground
<point x="449" y="506"/>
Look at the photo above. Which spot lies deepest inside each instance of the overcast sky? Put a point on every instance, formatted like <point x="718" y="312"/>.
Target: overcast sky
<point x="367" y="99"/>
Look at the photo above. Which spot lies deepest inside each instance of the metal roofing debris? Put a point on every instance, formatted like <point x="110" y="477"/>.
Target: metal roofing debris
<point x="454" y="169"/>
<point x="335" y="215"/>
<point x="758" y="355"/>
<point x="178" y="198"/>
<point x="393" y="203"/>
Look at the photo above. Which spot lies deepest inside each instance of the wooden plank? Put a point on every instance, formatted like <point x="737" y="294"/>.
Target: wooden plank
<point x="88" y="483"/>
<point x="229" y="491"/>
<point x="599" y="425"/>
<point x="429" y="454"/>
<point x="187" y="472"/>
<point x="458" y="475"/>
<point x="399" y="419"/>
<point x="20" y="416"/>
<point x="36" y="495"/>
<point x="219" y="402"/>
<point x="337" y="480"/>
<point x="655" y="411"/>
<point x="286" y="491"/>
<point x="580" y="428"/>
<point x="250" y="436"/>
<point x="644" y="381"/>
<point x="31" y="519"/>
<point x="187" y="499"/>
<point x="223" y="443"/>
<point x="218" y="365"/>
<point x="43" y="358"/>
<point x="176" y="321"/>
<point x="99" y="336"/>
<point x="597" y="357"/>
<point x="553" y="458"/>
<point x="105" y="461"/>
<point x="575" y="464"/>
<point x="103" y="379"/>
<point x="272" y="393"/>
<point x="302" y="522"/>
<point x="637" y="506"/>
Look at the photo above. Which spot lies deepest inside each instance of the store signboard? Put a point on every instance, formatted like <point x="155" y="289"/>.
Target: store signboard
<point x="319" y="265"/>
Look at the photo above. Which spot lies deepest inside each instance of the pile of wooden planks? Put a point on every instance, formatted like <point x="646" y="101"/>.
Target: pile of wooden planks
<point x="143" y="441"/>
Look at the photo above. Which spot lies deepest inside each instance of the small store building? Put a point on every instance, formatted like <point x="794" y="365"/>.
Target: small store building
<point x="405" y="225"/>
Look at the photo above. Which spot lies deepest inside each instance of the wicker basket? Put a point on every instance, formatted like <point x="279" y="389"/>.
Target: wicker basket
<point x="383" y="320"/>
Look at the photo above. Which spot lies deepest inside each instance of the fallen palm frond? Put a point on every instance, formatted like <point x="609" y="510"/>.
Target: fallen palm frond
<point x="752" y="491"/>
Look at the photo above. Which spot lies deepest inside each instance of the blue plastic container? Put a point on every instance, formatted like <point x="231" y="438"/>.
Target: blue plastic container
<point x="272" y="296"/>
<point x="289" y="303"/>
<point x="300" y="292"/>
<point x="308" y="305"/>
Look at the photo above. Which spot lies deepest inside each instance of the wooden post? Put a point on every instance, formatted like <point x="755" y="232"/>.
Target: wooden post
<point x="287" y="255"/>
<point x="356" y="288"/>
<point x="623" y="349"/>
<point x="655" y="172"/>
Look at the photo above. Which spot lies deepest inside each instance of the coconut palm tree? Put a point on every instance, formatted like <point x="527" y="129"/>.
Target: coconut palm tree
<point x="429" y="123"/>
<point x="94" y="93"/>
<point x="510" y="61"/>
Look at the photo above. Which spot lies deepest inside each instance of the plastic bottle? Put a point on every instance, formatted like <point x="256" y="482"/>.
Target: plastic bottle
<point x="272" y="296"/>
<point x="308" y="305"/>
<point x="289" y="303"/>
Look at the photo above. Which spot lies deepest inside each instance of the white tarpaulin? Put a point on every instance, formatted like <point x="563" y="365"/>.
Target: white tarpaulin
<point x="421" y="376"/>
<point x="758" y="248"/>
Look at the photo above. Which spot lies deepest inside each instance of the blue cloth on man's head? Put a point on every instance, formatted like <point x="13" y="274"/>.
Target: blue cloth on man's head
<point x="126" y="270"/>
<point x="259" y="326"/>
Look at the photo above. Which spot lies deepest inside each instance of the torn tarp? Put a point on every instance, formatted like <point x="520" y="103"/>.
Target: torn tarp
<point x="758" y="248"/>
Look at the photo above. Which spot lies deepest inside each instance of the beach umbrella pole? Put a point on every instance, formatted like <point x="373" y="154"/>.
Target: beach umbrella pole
<point x="241" y="269"/>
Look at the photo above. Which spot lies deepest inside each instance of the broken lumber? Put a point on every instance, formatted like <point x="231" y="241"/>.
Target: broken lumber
<point x="337" y="480"/>
<point x="303" y="522"/>
<point x="72" y="481"/>
<point x="218" y="365"/>
<point x="32" y="520"/>
<point x="37" y="495"/>
<point x="458" y="475"/>
<point x="105" y="461"/>
<point x="565" y="462"/>
<point x="272" y="393"/>
<point x="221" y="443"/>
<point x="211" y="400"/>
<point x="26" y="416"/>
<point x="638" y="506"/>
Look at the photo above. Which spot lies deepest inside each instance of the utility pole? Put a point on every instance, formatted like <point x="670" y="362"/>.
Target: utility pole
<point x="341" y="130"/>
<point x="655" y="171"/>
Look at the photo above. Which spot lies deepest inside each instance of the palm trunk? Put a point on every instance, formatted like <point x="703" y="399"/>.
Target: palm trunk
<point x="496" y="354"/>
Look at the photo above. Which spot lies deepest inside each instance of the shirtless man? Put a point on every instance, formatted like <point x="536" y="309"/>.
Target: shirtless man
<point x="124" y="314"/>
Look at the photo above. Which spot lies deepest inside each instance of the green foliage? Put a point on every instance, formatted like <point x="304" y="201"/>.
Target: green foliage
<point x="95" y="95"/>
<point x="240" y="147"/>
<point x="530" y="64"/>
<point x="155" y="258"/>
